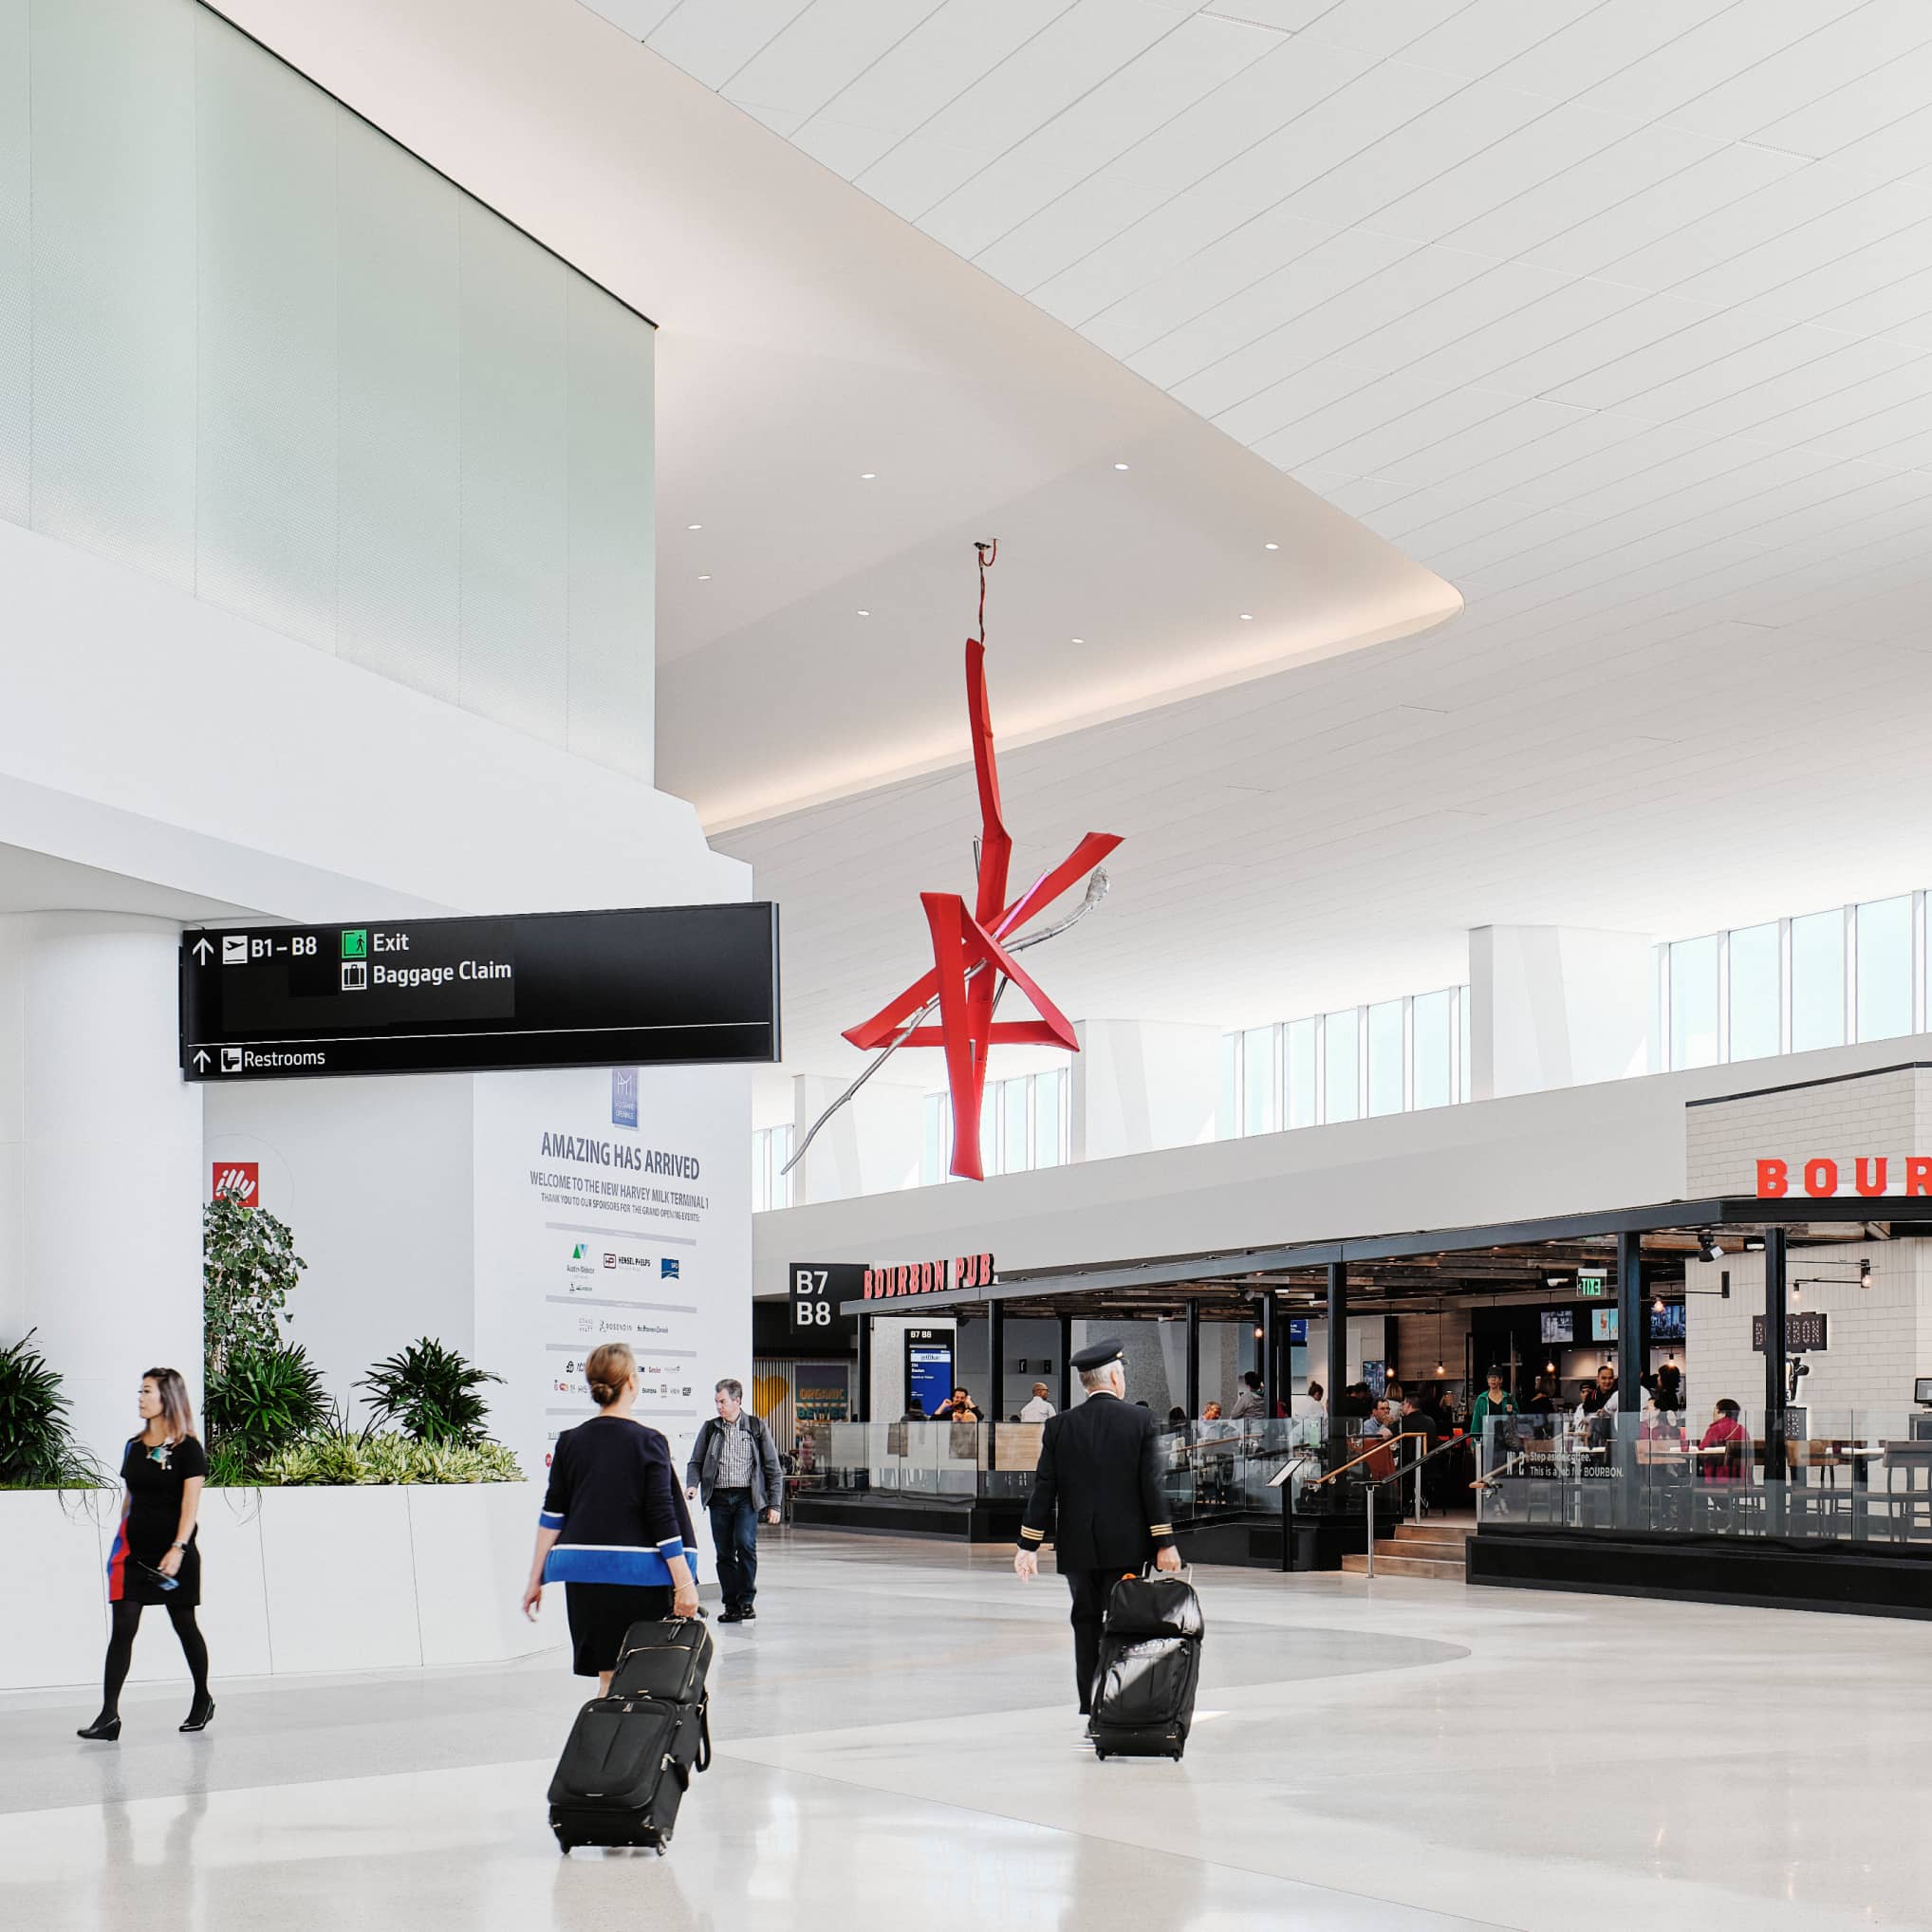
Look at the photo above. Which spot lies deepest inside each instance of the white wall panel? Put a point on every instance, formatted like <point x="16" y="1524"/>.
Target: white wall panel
<point x="611" y="677"/>
<point x="400" y="425"/>
<point x="113" y="130"/>
<point x="515" y="459"/>
<point x="265" y="221"/>
<point x="16" y="276"/>
<point x="236" y="353"/>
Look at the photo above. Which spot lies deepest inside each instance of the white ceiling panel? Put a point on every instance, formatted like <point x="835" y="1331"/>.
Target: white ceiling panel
<point x="1619" y="312"/>
<point x="1726" y="47"/>
<point x="1840" y="45"/>
<point x="711" y="44"/>
<point x="1602" y="240"/>
<point x="946" y="54"/>
<point x="1041" y="79"/>
<point x="1334" y="263"/>
<point x="1174" y="73"/>
<point x="1380" y="26"/>
<point x="811" y="57"/>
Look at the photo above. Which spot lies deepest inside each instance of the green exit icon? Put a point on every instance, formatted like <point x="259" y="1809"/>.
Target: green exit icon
<point x="356" y="943"/>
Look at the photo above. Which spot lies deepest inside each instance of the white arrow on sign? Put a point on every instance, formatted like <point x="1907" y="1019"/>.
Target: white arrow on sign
<point x="201" y="1059"/>
<point x="202" y="949"/>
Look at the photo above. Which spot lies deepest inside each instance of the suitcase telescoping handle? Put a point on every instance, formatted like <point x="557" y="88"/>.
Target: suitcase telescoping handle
<point x="1184" y="1574"/>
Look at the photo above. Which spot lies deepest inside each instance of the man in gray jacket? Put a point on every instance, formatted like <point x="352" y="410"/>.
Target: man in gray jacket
<point x="735" y="1467"/>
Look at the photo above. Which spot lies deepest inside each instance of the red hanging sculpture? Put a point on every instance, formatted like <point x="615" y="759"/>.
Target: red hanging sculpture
<point x="974" y="952"/>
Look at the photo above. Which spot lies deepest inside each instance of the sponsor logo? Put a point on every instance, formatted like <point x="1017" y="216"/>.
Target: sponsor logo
<point x="610" y="1261"/>
<point x="579" y="1286"/>
<point x="577" y="1253"/>
<point x="624" y="1096"/>
<point x="667" y="1269"/>
<point x="240" y="1179"/>
<point x="585" y="1325"/>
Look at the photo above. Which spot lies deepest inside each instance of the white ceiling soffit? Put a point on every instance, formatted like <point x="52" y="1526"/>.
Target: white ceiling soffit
<point x="810" y="337"/>
<point x="1615" y="313"/>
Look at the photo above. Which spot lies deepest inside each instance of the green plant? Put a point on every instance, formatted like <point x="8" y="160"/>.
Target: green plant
<point x="261" y="1399"/>
<point x="37" y="1446"/>
<point x="249" y="1269"/>
<point x="229" y="1466"/>
<point x="338" y="1458"/>
<point x="432" y="1391"/>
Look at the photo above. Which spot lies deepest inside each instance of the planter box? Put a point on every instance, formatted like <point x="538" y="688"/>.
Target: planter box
<point x="292" y="1580"/>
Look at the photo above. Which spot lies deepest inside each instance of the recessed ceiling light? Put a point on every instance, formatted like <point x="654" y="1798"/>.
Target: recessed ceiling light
<point x="693" y="526"/>
<point x="867" y="475"/>
<point x="1120" y="466"/>
<point x="1247" y="617"/>
<point x="864" y="613"/>
<point x="704" y="576"/>
<point x="1079" y="641"/>
<point x="1270" y="546"/>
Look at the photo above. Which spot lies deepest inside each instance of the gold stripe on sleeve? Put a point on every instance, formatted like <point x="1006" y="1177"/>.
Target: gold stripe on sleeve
<point x="1160" y="1529"/>
<point x="1033" y="1535"/>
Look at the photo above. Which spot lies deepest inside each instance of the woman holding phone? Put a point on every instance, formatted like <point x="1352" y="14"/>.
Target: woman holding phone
<point x="614" y="1529"/>
<point x="154" y="1559"/>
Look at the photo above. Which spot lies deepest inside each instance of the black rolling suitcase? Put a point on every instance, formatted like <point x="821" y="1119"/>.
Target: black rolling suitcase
<point x="1149" y="1665"/>
<point x="629" y="1758"/>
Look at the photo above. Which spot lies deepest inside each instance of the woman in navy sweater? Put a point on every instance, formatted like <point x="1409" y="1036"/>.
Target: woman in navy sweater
<point x="614" y="1529"/>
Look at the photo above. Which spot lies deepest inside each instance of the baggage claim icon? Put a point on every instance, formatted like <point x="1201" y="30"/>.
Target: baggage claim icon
<point x="973" y="951"/>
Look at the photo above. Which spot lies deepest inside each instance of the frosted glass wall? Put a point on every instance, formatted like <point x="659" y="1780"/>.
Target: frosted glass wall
<point x="252" y="348"/>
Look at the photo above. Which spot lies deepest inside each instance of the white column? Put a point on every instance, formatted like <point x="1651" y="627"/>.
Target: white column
<point x="1139" y="1085"/>
<point x="871" y="1146"/>
<point x="100" y="1160"/>
<point x="1556" y="1006"/>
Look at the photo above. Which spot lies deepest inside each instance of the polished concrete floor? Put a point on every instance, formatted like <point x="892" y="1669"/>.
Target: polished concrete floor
<point x="896" y="1747"/>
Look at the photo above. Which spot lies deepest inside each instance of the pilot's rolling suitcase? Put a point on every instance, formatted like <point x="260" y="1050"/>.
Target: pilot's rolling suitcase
<point x="629" y="1758"/>
<point x="1149" y="1665"/>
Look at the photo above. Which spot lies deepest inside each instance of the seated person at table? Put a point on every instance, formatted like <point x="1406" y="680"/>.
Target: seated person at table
<point x="1659" y="1424"/>
<point x="1725" y="1448"/>
<point x="1215" y="1428"/>
<point x="915" y="1410"/>
<point x="1417" y="1419"/>
<point x="1380" y="1422"/>
<point x="958" y="1407"/>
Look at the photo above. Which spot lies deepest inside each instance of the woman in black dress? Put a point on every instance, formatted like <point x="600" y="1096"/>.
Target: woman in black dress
<point x="154" y="1559"/>
<point x="614" y="1529"/>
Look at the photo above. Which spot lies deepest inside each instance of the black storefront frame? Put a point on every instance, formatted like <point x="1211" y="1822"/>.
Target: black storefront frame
<point x="1805" y="1575"/>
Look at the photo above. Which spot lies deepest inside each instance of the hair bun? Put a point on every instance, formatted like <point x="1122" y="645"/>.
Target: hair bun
<point x="602" y="1394"/>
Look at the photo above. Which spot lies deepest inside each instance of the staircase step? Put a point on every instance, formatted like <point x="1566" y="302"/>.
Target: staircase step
<point x="1437" y="1549"/>
<point x="1407" y="1566"/>
<point x="1434" y="1532"/>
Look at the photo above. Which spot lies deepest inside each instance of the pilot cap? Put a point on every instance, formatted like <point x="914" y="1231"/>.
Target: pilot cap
<point x="1096" y="1355"/>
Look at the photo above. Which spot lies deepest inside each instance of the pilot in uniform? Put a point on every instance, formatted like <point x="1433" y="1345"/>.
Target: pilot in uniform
<point x="1099" y="1495"/>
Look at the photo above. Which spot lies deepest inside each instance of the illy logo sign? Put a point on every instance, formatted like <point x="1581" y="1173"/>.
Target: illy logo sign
<point x="241" y="1178"/>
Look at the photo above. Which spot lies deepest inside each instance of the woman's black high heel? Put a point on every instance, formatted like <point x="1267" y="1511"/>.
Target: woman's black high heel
<point x="102" y="1730"/>
<point x="198" y="1714"/>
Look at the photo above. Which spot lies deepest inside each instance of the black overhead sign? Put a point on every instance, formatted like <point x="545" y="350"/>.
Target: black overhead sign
<point x="661" y="986"/>
<point x="817" y="1289"/>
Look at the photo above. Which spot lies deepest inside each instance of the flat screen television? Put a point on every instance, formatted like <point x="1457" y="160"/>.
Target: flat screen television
<point x="1559" y="1324"/>
<point x="1922" y="1389"/>
<point x="1666" y="1324"/>
<point x="1603" y="1324"/>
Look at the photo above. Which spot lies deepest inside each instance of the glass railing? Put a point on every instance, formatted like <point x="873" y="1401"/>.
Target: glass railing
<point x="1848" y="1476"/>
<point x="1211" y="1469"/>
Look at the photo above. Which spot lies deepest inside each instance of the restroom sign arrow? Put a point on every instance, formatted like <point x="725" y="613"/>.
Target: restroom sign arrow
<point x="202" y="950"/>
<point x="201" y="1060"/>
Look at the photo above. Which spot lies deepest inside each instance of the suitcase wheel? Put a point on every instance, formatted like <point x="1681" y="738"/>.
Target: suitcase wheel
<point x="563" y="1841"/>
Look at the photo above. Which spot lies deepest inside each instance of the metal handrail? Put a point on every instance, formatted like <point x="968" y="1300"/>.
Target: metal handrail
<point x="1447" y="1442"/>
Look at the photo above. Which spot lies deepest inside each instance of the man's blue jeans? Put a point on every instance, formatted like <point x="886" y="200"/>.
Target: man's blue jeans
<point x="734" y="1532"/>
